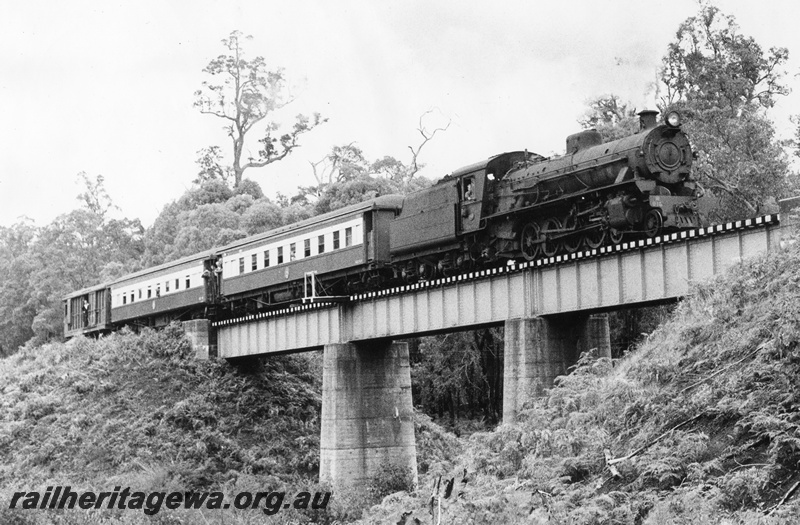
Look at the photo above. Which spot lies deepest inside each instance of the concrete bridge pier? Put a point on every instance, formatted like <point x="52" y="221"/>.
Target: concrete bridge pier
<point x="367" y="412"/>
<point x="202" y="337"/>
<point x="539" y="349"/>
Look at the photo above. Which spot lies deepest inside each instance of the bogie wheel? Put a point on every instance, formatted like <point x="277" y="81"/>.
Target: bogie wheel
<point x="426" y="272"/>
<point x="408" y="273"/>
<point x="550" y="247"/>
<point x="595" y="238"/>
<point x="653" y="222"/>
<point x="529" y="241"/>
<point x="465" y="262"/>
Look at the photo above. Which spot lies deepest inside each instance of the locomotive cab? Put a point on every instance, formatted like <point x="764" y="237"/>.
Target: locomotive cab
<point x="476" y="184"/>
<point x="472" y="188"/>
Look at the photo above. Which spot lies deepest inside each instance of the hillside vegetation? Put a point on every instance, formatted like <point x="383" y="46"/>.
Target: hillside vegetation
<point x="703" y="420"/>
<point x="139" y="411"/>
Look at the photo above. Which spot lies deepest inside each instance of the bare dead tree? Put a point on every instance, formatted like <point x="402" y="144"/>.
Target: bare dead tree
<point x="243" y="93"/>
<point x="427" y="136"/>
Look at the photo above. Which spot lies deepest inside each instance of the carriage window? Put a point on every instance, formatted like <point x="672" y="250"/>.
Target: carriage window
<point x="307" y="248"/>
<point x="132" y="297"/>
<point x="158" y="290"/>
<point x="149" y="292"/>
<point x="177" y="284"/>
<point x="188" y="282"/>
<point x="280" y="254"/>
<point x="348" y="236"/>
<point x="254" y="262"/>
<point x="166" y="286"/>
<point x="241" y="265"/>
<point x="124" y="299"/>
<point x="321" y="244"/>
<point x="266" y="258"/>
<point x="140" y="293"/>
<point x="292" y="251"/>
<point x="335" y="240"/>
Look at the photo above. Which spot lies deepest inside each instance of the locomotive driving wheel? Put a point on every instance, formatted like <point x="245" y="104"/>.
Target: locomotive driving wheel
<point x="653" y="222"/>
<point x="550" y="246"/>
<point x="529" y="241"/>
<point x="595" y="238"/>
<point x="573" y="242"/>
<point x="615" y="235"/>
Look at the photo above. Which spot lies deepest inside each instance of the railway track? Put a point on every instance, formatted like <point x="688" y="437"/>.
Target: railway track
<point x="515" y="267"/>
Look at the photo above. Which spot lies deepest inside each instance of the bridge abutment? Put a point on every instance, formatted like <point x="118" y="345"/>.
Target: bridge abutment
<point x="202" y="337"/>
<point x="539" y="349"/>
<point x="367" y="412"/>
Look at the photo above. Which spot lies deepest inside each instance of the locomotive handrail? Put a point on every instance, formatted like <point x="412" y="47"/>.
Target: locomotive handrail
<point x="557" y="199"/>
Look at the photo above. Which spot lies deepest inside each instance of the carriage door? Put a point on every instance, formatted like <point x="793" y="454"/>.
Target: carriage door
<point x="470" y="193"/>
<point x="369" y="235"/>
<point x="212" y="274"/>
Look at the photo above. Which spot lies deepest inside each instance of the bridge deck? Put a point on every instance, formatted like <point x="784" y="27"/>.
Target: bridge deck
<point x="646" y="271"/>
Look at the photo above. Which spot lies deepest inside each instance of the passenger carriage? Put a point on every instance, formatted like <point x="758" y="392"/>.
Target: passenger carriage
<point x="155" y="296"/>
<point x="342" y="249"/>
<point x="88" y="311"/>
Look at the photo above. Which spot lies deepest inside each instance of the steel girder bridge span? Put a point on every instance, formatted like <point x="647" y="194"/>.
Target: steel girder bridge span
<point x="645" y="271"/>
<point x="551" y="309"/>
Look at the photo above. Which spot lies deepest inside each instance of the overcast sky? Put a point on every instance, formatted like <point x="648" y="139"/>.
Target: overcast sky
<point x="106" y="87"/>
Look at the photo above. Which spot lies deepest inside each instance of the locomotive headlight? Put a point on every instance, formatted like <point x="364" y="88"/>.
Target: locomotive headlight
<point x="673" y="119"/>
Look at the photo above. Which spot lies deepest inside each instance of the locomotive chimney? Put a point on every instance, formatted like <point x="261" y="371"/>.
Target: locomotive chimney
<point x="647" y="119"/>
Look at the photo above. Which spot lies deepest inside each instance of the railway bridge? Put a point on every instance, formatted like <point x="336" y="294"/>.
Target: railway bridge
<point x="552" y="310"/>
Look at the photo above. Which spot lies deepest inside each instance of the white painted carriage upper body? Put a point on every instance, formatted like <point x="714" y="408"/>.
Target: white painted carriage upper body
<point x="242" y="258"/>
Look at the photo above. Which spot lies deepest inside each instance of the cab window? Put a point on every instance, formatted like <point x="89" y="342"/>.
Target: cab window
<point x="469" y="188"/>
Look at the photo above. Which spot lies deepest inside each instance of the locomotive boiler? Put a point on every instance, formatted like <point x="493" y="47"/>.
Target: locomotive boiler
<point x="520" y="204"/>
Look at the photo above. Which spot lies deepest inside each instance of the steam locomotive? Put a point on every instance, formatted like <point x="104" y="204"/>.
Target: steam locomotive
<point x="516" y="205"/>
<point x="523" y="205"/>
